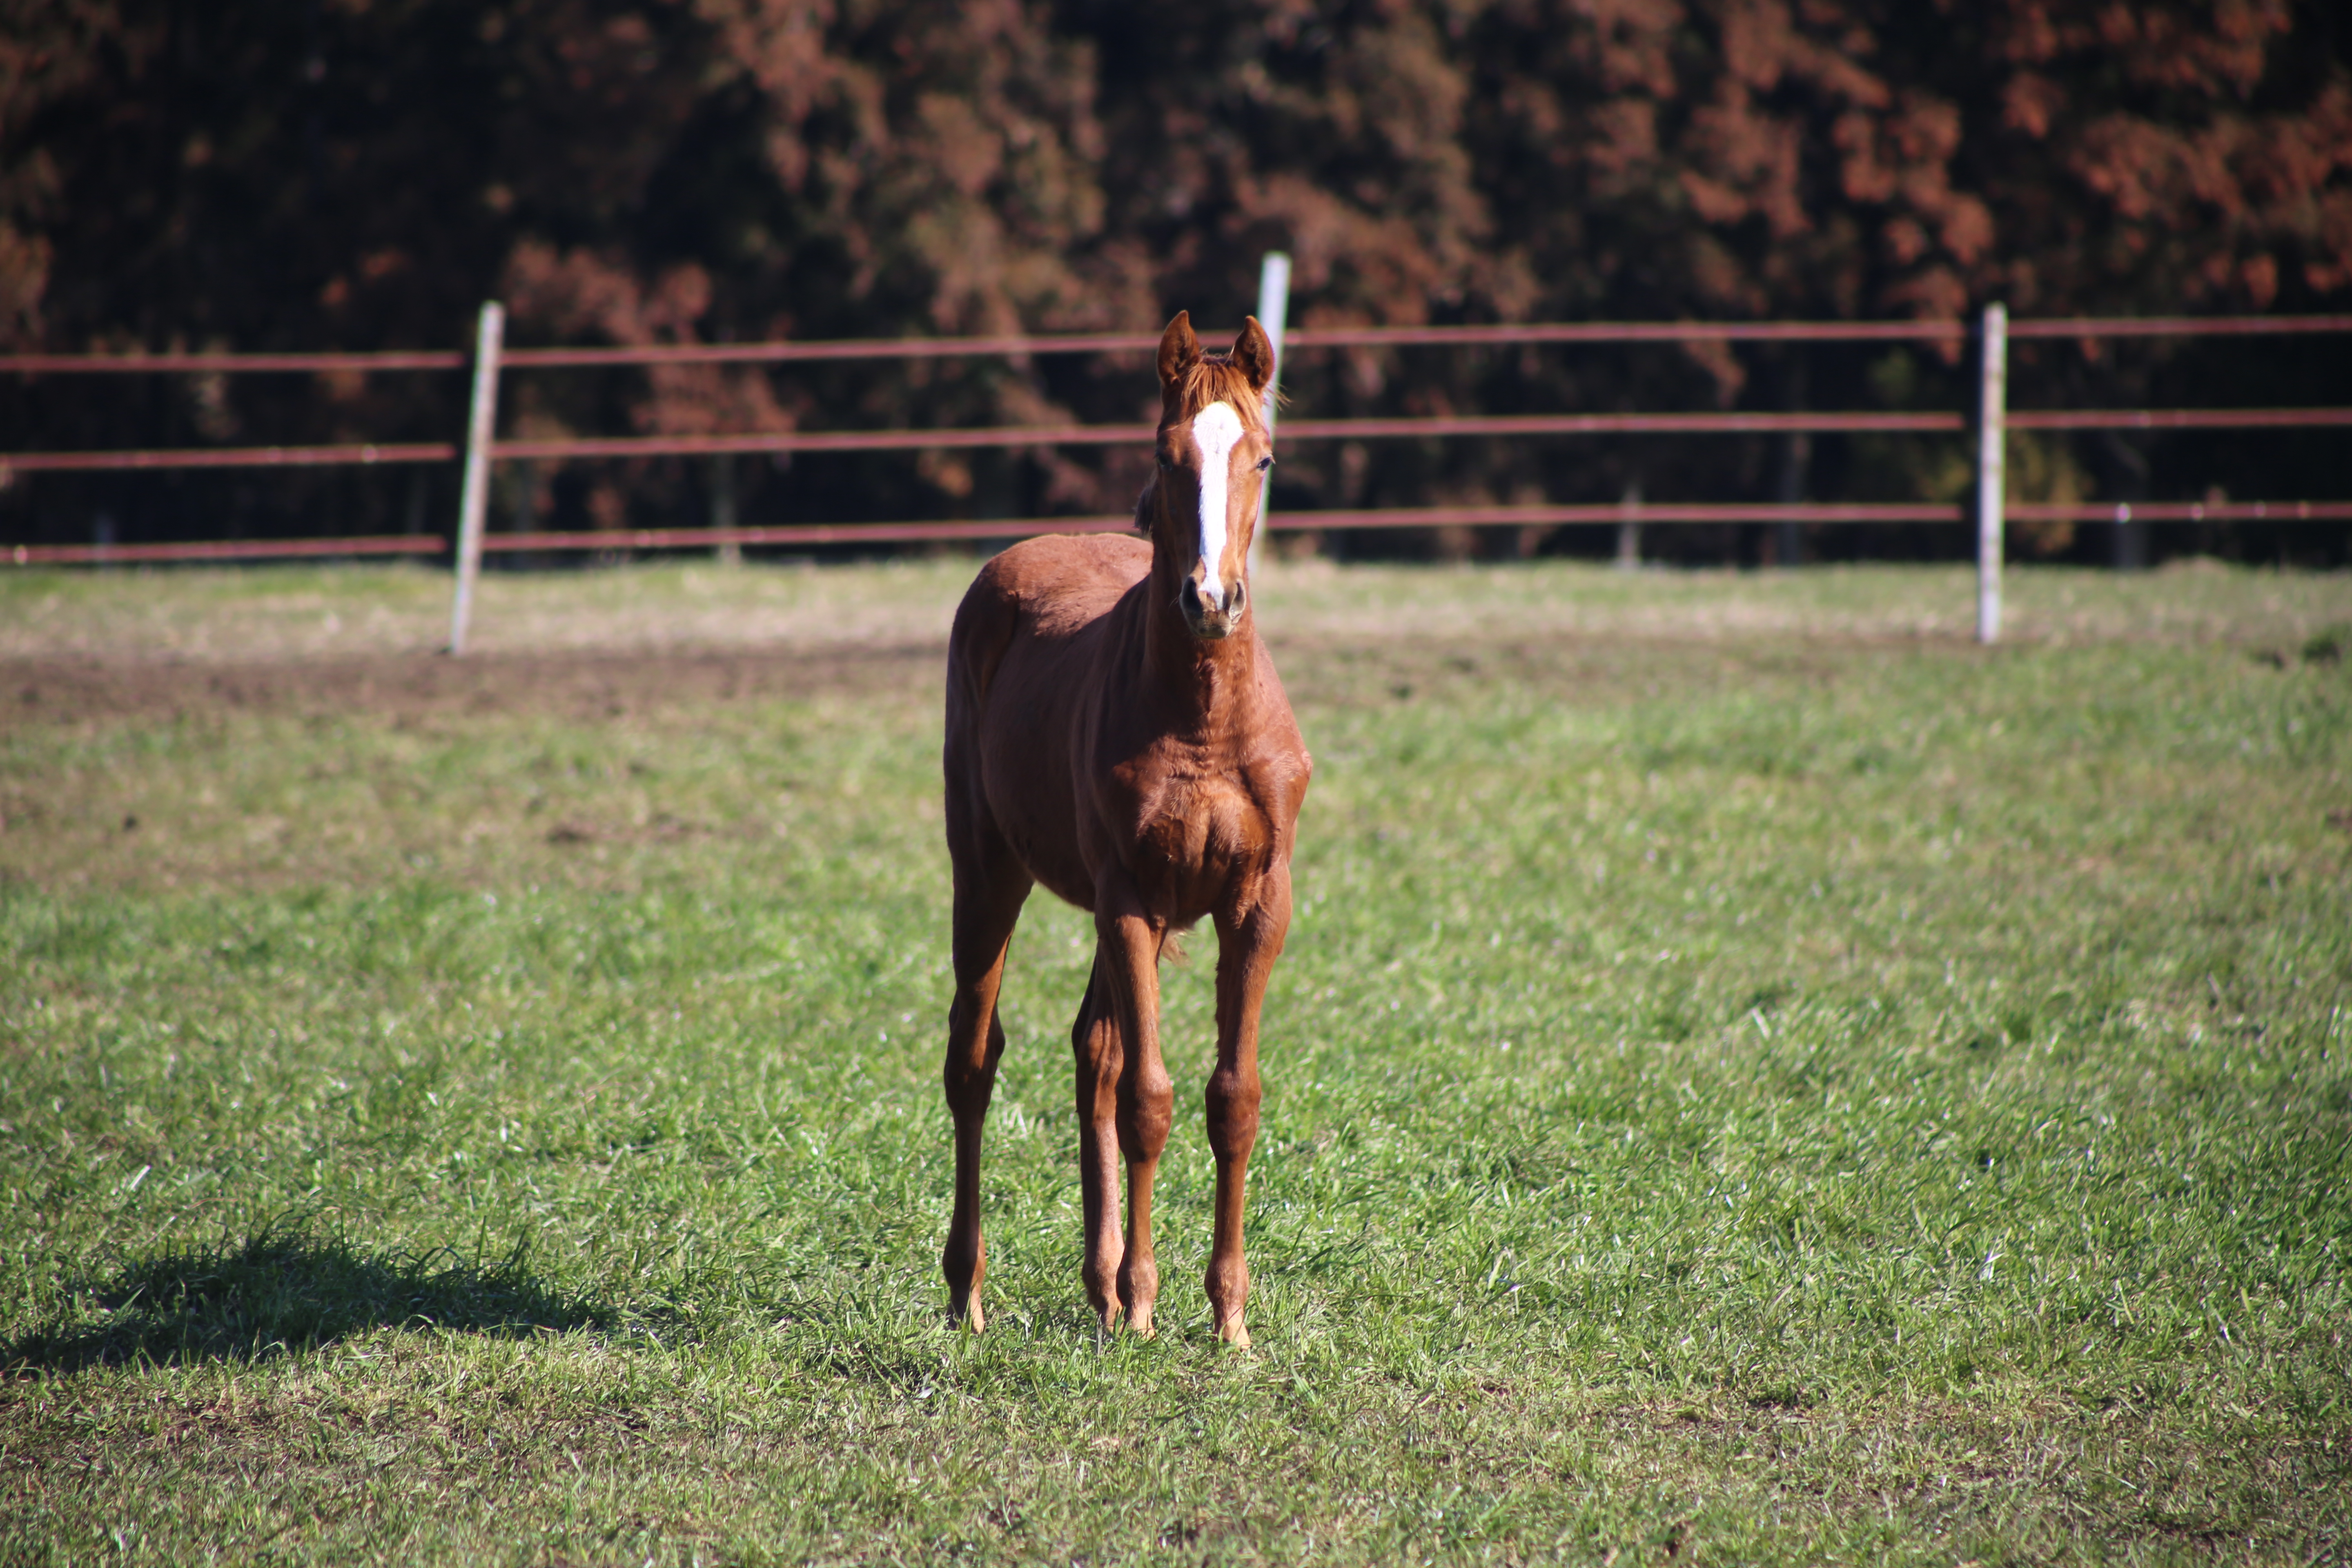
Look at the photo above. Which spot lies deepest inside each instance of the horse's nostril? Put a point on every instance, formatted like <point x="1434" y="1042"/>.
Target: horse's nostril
<point x="1238" y="597"/>
<point x="1188" y="593"/>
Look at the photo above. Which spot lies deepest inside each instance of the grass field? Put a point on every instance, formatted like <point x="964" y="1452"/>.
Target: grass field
<point x="1755" y="1077"/>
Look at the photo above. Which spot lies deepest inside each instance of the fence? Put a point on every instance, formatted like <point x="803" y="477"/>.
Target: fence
<point x="1991" y="420"/>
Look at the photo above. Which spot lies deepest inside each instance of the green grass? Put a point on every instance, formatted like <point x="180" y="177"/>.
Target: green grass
<point x="1753" y="1077"/>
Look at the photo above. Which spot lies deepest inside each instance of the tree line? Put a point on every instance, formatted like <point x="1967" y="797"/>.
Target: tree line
<point x="361" y="173"/>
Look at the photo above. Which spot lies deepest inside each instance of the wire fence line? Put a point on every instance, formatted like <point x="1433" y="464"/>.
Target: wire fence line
<point x="817" y="536"/>
<point x="489" y="361"/>
<point x="1016" y="436"/>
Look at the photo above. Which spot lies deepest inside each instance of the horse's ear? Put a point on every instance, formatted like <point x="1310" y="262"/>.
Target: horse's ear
<point x="1254" y="355"/>
<point x="1179" y="349"/>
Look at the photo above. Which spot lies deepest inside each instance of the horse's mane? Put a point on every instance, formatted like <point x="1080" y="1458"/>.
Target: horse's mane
<point x="1215" y="378"/>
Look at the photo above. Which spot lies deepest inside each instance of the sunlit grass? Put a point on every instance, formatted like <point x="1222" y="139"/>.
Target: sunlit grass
<point x="1777" y="1092"/>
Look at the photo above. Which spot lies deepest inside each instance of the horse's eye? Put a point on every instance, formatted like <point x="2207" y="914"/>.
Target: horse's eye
<point x="1264" y="464"/>
<point x="1166" y="462"/>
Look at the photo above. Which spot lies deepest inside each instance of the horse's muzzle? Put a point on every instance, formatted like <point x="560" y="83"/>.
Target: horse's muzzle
<point x="1212" y="620"/>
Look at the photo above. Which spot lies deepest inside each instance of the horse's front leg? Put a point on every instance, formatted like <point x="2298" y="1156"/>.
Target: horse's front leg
<point x="1132" y="1096"/>
<point x="1248" y="942"/>
<point x="1096" y="1041"/>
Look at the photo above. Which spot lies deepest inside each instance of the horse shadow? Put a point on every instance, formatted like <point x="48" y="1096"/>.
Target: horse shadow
<point x="277" y="1293"/>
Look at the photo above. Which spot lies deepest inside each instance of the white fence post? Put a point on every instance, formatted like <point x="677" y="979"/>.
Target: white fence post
<point x="722" y="510"/>
<point x="1993" y="418"/>
<point x="1272" y="313"/>
<point x="474" y="496"/>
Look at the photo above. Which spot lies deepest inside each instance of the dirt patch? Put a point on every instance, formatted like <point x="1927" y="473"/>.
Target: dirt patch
<point x="67" y="690"/>
<point x="645" y="686"/>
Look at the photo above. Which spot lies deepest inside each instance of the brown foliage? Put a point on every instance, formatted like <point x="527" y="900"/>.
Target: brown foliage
<point x="361" y="173"/>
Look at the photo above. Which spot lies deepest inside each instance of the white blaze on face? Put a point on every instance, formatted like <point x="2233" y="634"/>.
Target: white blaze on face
<point x="1216" y="430"/>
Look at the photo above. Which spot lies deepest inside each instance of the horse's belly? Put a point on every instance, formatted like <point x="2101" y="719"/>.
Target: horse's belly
<point x="1039" y="828"/>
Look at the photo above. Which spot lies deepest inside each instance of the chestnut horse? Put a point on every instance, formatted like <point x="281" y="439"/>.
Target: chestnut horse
<point x="1115" y="730"/>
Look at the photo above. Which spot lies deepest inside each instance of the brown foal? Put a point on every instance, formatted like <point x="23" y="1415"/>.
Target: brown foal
<point x="1115" y="730"/>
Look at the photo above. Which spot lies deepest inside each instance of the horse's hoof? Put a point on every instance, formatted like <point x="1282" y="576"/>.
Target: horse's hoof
<point x="969" y="1318"/>
<point x="1235" y="1332"/>
<point x="1139" y="1319"/>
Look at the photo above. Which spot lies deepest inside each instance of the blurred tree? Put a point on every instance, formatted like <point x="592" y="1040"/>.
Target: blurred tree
<point x="363" y="173"/>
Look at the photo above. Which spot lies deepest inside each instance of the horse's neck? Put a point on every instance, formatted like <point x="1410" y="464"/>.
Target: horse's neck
<point x="1206" y="681"/>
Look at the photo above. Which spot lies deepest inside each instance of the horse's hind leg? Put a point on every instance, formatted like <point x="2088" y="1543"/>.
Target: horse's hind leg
<point x="990" y="886"/>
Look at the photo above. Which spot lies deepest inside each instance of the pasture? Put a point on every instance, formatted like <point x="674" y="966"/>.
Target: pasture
<point x="1753" y="1077"/>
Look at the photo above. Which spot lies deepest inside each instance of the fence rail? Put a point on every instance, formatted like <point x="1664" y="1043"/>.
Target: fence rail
<point x="489" y="361"/>
<point x="820" y="535"/>
<point x="237" y="363"/>
<point x="1014" y="437"/>
<point x="2179" y="418"/>
<point x="337" y="456"/>
<point x="225" y="550"/>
